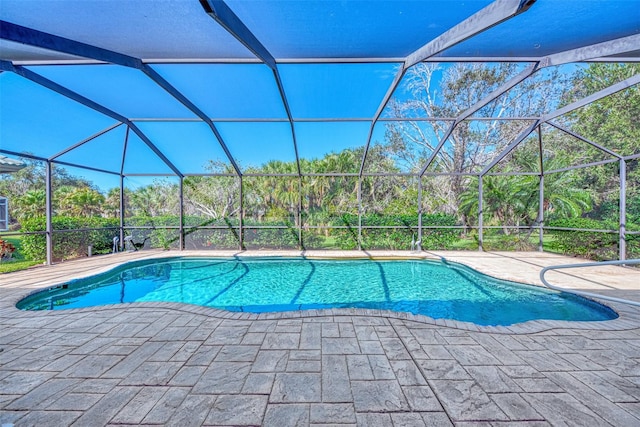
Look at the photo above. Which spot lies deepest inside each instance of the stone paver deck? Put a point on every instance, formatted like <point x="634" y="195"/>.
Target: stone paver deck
<point x="172" y="364"/>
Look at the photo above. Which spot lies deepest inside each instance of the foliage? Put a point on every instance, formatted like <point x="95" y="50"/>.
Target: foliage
<point x="69" y="244"/>
<point x="6" y="249"/>
<point x="80" y="201"/>
<point x="273" y="238"/>
<point x="496" y="240"/>
<point x="17" y="261"/>
<point x="220" y="234"/>
<point x="212" y="196"/>
<point x="26" y="188"/>
<point x="401" y="236"/>
<point x="315" y="203"/>
<point x="587" y="244"/>
<point x="513" y="200"/>
<point x="612" y="122"/>
<point x="438" y="90"/>
<point x="609" y="210"/>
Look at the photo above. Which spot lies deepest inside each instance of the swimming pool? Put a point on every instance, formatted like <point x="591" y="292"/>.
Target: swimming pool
<point x="431" y="288"/>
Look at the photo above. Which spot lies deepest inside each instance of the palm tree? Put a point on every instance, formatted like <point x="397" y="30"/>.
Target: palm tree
<point x="85" y="202"/>
<point x="111" y="206"/>
<point x="514" y="200"/>
<point x="30" y="205"/>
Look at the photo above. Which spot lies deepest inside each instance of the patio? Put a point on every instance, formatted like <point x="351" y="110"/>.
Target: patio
<point x="319" y="124"/>
<point x="172" y="364"/>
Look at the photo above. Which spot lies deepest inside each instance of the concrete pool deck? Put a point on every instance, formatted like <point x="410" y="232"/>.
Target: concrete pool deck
<point x="173" y="364"/>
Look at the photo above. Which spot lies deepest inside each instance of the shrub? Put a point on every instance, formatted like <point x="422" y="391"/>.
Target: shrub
<point x="224" y="237"/>
<point x="588" y="244"/>
<point x="404" y="231"/>
<point x="69" y="244"/>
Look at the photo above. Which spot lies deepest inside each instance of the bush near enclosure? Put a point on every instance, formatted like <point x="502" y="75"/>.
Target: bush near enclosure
<point x="590" y="244"/>
<point x="401" y="236"/>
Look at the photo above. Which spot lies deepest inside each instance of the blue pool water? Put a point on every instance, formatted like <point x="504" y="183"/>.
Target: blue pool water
<point x="432" y="288"/>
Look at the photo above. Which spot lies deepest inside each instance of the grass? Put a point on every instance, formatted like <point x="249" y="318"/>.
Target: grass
<point x="17" y="261"/>
<point x="15" y="265"/>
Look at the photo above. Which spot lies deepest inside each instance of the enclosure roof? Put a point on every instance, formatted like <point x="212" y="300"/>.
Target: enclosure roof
<point x="319" y="29"/>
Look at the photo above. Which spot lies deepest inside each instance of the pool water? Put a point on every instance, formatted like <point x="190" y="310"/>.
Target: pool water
<point x="431" y="288"/>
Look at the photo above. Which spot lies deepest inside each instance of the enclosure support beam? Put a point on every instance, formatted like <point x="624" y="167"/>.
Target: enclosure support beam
<point x="160" y="81"/>
<point x="541" y="195"/>
<point x="480" y="214"/>
<point x="607" y="48"/>
<point x="300" y="241"/>
<point x="541" y="213"/>
<point x="523" y="135"/>
<point x="241" y="222"/>
<point x="121" y="214"/>
<point x="44" y="159"/>
<point x="181" y="213"/>
<point x="586" y="165"/>
<point x="84" y="141"/>
<point x="24" y="155"/>
<point x="122" y="201"/>
<point x="49" y="212"/>
<point x="31" y="37"/>
<point x="89" y="168"/>
<point x="477" y="106"/>
<point x="394" y="84"/>
<point x="438" y="147"/>
<point x="419" y="246"/>
<point x="223" y="15"/>
<point x="622" y="246"/>
<point x="360" y="213"/>
<point x="583" y="139"/>
<point x="493" y="14"/>
<point x="633" y="80"/>
<point x="43" y="81"/>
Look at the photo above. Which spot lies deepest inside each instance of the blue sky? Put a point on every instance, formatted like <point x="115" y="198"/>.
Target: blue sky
<point x="37" y="120"/>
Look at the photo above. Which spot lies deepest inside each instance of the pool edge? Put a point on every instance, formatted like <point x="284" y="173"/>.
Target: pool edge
<point x="626" y="319"/>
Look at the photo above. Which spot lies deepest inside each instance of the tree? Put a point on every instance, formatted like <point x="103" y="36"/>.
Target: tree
<point x="30" y="205"/>
<point x="514" y="200"/>
<point x="82" y="201"/>
<point x="612" y="122"/>
<point x="446" y="91"/>
<point x="214" y="197"/>
<point x="159" y="198"/>
<point x="31" y="179"/>
<point x="111" y="205"/>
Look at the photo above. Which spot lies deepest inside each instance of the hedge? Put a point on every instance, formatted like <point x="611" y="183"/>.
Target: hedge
<point x="72" y="244"/>
<point x="590" y="244"/>
<point x="400" y="237"/>
<point x="225" y="236"/>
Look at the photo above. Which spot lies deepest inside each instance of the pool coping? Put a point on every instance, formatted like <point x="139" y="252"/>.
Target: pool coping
<point x="629" y="316"/>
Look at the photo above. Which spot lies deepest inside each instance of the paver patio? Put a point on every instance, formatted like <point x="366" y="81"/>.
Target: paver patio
<point x="172" y="364"/>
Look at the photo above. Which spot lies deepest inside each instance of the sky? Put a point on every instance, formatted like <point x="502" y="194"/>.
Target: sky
<point x="46" y="123"/>
<point x="37" y="120"/>
<point x="42" y="122"/>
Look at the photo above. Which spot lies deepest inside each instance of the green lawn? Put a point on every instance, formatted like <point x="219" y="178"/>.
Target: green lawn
<point x="14" y="265"/>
